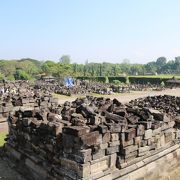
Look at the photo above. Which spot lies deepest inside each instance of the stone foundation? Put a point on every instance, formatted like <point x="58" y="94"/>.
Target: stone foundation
<point x="95" y="138"/>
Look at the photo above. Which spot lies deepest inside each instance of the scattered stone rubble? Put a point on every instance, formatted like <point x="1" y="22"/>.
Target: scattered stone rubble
<point x="89" y="138"/>
<point x="83" y="87"/>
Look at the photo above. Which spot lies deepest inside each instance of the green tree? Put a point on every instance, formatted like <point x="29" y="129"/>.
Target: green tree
<point x="65" y="59"/>
<point x="49" y="67"/>
<point x="28" y="66"/>
<point x="161" y="61"/>
<point x="20" y="74"/>
<point x="151" y="67"/>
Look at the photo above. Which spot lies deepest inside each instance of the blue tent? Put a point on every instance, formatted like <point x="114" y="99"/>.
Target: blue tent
<point x="68" y="82"/>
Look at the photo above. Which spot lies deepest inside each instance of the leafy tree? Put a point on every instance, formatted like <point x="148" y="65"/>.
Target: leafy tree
<point x="28" y="66"/>
<point x="49" y="67"/>
<point x="151" y="67"/>
<point x="34" y="61"/>
<point x="8" y="68"/>
<point x="62" y="70"/>
<point x="10" y="77"/>
<point x="177" y="59"/>
<point x="161" y="61"/>
<point x="65" y="59"/>
<point x="20" y="74"/>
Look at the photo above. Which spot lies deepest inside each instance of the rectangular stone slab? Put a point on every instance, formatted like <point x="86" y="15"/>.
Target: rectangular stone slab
<point x="76" y="130"/>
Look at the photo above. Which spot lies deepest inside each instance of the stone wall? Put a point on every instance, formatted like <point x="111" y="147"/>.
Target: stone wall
<point x="94" y="138"/>
<point x="154" y="167"/>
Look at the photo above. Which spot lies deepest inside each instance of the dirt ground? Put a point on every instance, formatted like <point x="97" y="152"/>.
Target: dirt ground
<point x="9" y="173"/>
<point x="126" y="97"/>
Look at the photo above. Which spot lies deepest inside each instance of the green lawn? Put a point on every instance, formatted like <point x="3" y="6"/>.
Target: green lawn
<point x="158" y="76"/>
<point x="2" y="136"/>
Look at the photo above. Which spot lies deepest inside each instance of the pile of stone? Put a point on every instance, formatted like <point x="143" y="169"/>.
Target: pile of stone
<point x="91" y="137"/>
<point x="20" y="93"/>
<point x="84" y="88"/>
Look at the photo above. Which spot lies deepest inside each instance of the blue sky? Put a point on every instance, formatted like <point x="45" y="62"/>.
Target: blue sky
<point x="97" y="30"/>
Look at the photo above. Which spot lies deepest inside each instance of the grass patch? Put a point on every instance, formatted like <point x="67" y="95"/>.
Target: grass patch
<point x="2" y="137"/>
<point x="158" y="76"/>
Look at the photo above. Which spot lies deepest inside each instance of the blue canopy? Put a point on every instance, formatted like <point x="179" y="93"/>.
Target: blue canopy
<point x="68" y="82"/>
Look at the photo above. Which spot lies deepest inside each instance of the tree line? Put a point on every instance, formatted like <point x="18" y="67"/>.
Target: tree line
<point x="29" y="69"/>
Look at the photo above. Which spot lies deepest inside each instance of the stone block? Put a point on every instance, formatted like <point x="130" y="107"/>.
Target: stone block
<point x="114" y="136"/>
<point x="156" y="131"/>
<point x="102" y="128"/>
<point x="143" y="149"/>
<point x="99" y="154"/>
<point x="140" y="130"/>
<point x="114" y="128"/>
<point x="99" y="165"/>
<point x="111" y="150"/>
<point x="80" y="156"/>
<point x="114" y="143"/>
<point x="129" y="149"/>
<point x="146" y="124"/>
<point x="127" y="143"/>
<point x="130" y="134"/>
<point x="148" y="134"/>
<point x="171" y="124"/>
<point x="162" y="140"/>
<point x="90" y="138"/>
<point x="106" y="137"/>
<point x="76" y="130"/>
<point x="130" y="156"/>
<point x="82" y="170"/>
<point x="113" y="158"/>
<point x="137" y="140"/>
<point x="103" y="146"/>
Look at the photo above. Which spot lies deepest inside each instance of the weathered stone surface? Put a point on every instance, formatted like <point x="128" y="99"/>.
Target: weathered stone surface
<point x="129" y="149"/>
<point x="99" y="165"/>
<point x="76" y="130"/>
<point x="148" y="134"/>
<point x="106" y="137"/>
<point x="130" y="134"/>
<point x="114" y="136"/>
<point x="111" y="150"/>
<point x="90" y="137"/>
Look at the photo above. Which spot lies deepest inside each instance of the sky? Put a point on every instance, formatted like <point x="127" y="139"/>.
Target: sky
<point x="93" y="30"/>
